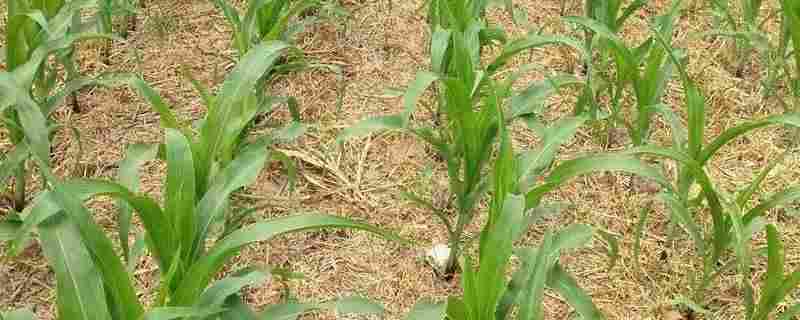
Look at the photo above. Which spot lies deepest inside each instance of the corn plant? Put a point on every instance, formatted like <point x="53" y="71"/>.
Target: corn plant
<point x="642" y="71"/>
<point x="611" y="14"/>
<point x="31" y="92"/>
<point x="470" y="99"/>
<point x="107" y="10"/>
<point x="728" y="216"/>
<point x="747" y="29"/>
<point x="202" y="173"/>
<point x="486" y="292"/>
<point x="94" y="283"/>
<point x="276" y="20"/>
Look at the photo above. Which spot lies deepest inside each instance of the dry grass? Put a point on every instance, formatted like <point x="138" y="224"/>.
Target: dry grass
<point x="378" y="47"/>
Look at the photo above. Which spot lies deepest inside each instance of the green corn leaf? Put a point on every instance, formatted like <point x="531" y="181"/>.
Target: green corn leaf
<point x="236" y="309"/>
<point x="420" y="84"/>
<point x="456" y="309"/>
<point x="118" y="284"/>
<point x="566" y="286"/>
<point x="287" y="311"/>
<point x="630" y="10"/>
<point x="218" y="293"/>
<point x="595" y="163"/>
<point x="677" y="129"/>
<point x="681" y="215"/>
<point x="368" y="126"/>
<point x="530" y="42"/>
<point x="20" y="314"/>
<point x="169" y="313"/>
<point x="495" y="251"/>
<point x="775" y="263"/>
<point x="289" y="166"/>
<point x="32" y="120"/>
<point x="79" y="289"/>
<point x="12" y="160"/>
<point x="9" y="229"/>
<point x="180" y="189"/>
<point x="168" y="118"/>
<point x="531" y="100"/>
<point x="471" y="304"/>
<point x="747" y="193"/>
<point x="240" y="34"/>
<point x="625" y="56"/>
<point x="241" y="172"/>
<point x="46" y="205"/>
<point x="208" y="265"/>
<point x="73" y="86"/>
<point x="776" y="287"/>
<point x="156" y="223"/>
<point x="517" y="284"/>
<point x="238" y="86"/>
<point x="791" y="119"/>
<point x="128" y="177"/>
<point x="744" y="258"/>
<point x="531" y="307"/>
<point x="572" y="237"/>
<point x="695" y="104"/>
<point x="136" y="252"/>
<point x="791" y="11"/>
<point x="425" y="310"/>
<point x="354" y="305"/>
<point x="534" y="162"/>
<point x="613" y="248"/>
<point x="440" y="42"/>
<point x="782" y="198"/>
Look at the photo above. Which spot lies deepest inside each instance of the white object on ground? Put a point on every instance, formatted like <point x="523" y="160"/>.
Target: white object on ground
<point x="438" y="256"/>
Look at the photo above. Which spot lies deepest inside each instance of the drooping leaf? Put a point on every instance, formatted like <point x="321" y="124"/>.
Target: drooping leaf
<point x="128" y="176"/>
<point x="218" y="293"/>
<point x="79" y="290"/>
<point x="287" y="311"/>
<point x="208" y="265"/>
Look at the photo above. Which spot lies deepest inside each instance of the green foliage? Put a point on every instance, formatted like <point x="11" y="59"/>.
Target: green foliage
<point x="35" y="32"/>
<point x="733" y="222"/>
<point x="270" y="20"/>
<point x="641" y="71"/>
<point x="202" y="172"/>
<point x="486" y="292"/>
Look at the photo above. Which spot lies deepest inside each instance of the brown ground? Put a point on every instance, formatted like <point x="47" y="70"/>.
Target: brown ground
<point x="378" y="47"/>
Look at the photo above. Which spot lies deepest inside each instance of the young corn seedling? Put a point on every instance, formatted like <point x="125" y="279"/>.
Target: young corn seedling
<point x="472" y="99"/>
<point x="747" y="30"/>
<point x="612" y="15"/>
<point x="446" y="17"/>
<point x="692" y="154"/>
<point x="93" y="282"/>
<point x="487" y="294"/>
<point x="776" y="286"/>
<point x="469" y="98"/>
<point x="276" y="20"/>
<point x="641" y="72"/>
<point x="107" y="10"/>
<point x="30" y="83"/>
<point x="202" y="173"/>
